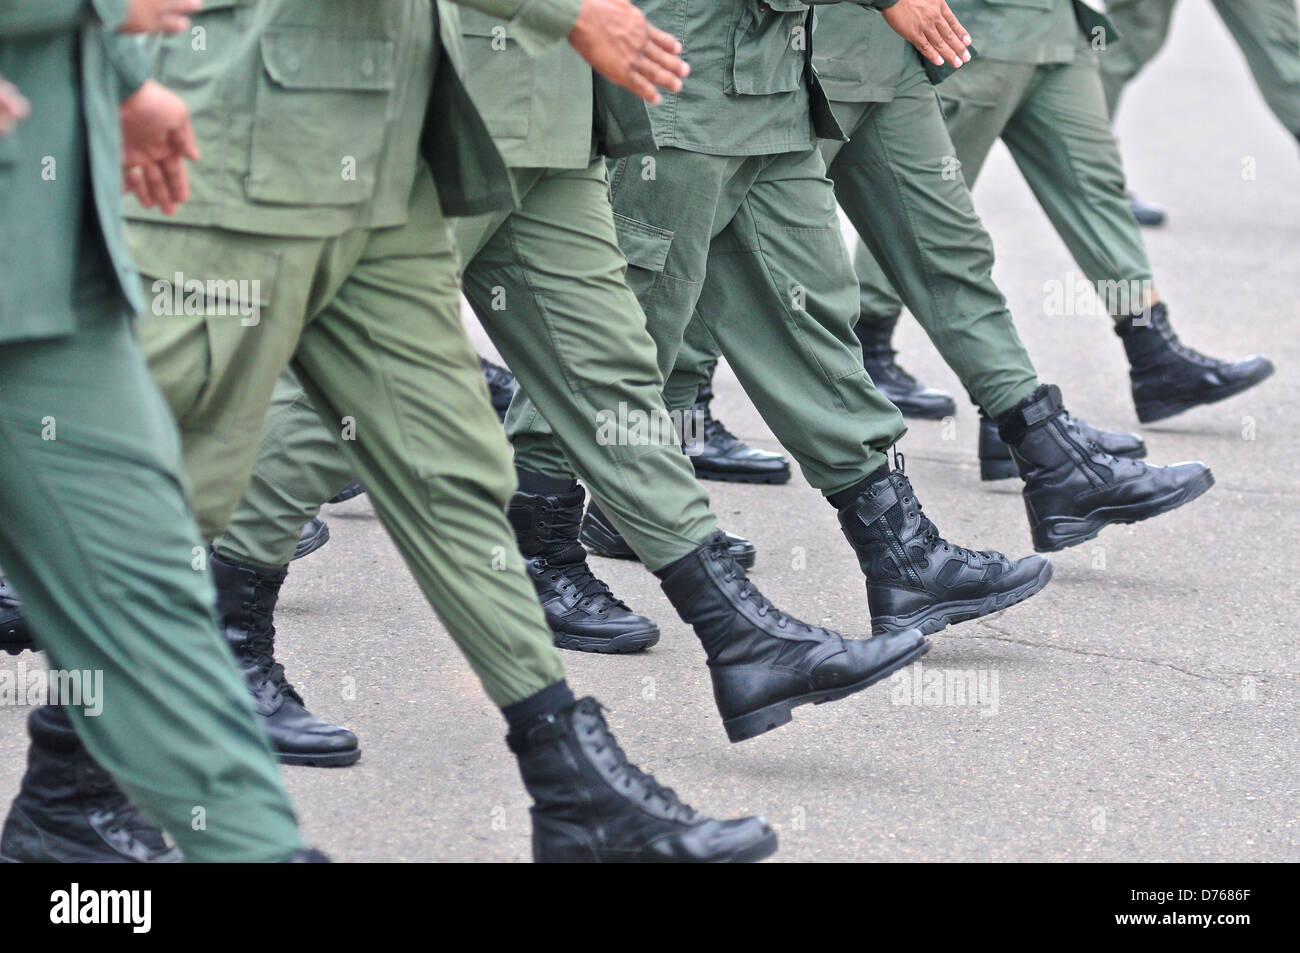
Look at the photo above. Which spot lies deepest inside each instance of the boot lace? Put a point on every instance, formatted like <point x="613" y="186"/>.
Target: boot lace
<point x="603" y="740"/>
<point x="259" y="646"/>
<point x="732" y="571"/>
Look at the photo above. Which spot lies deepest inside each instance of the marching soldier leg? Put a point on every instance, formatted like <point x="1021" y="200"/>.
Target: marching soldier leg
<point x="547" y="283"/>
<point x="715" y="452"/>
<point x="217" y="360"/>
<point x="880" y="310"/>
<point x="890" y="180"/>
<point x="785" y="249"/>
<point x="388" y="359"/>
<point x="548" y="286"/>
<point x="1143" y="26"/>
<point x="895" y="182"/>
<point x="299" y="464"/>
<point x="110" y="569"/>
<point x="779" y="294"/>
<point x="1268" y="33"/>
<point x="977" y="102"/>
<point x="1061" y="139"/>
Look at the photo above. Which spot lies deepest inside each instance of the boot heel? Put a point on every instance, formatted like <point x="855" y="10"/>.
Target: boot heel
<point x="558" y="843"/>
<point x="756" y="723"/>
<point x="991" y="470"/>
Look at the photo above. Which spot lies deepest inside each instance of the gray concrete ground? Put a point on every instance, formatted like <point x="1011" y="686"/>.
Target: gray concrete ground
<point x="1143" y="707"/>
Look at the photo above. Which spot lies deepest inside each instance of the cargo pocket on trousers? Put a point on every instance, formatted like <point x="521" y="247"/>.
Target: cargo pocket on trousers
<point x="318" y="87"/>
<point x="644" y="246"/>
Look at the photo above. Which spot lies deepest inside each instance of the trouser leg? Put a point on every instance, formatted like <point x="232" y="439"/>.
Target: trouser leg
<point x="98" y="538"/>
<point x="1062" y="141"/>
<point x="977" y="101"/>
<point x="780" y="300"/>
<point x="389" y="354"/>
<point x="696" y="359"/>
<point x="896" y="182"/>
<point x="299" y="465"/>
<point x="1143" y="26"/>
<point x="216" y="369"/>
<point x="548" y="285"/>
<point x="1268" y="33"/>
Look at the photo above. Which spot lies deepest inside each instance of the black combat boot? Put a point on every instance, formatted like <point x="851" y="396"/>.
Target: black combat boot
<point x="995" y="456"/>
<point x="912" y="398"/>
<point x="353" y="489"/>
<point x="1073" y="487"/>
<point x="14" y="636"/>
<point x="918" y="580"/>
<point x="69" y="810"/>
<point x="1146" y="214"/>
<point x="720" y="455"/>
<point x="501" y="386"/>
<point x="315" y="534"/>
<point x="591" y="805"/>
<point x="763" y="662"/>
<point x="1168" y="377"/>
<point x="600" y="536"/>
<point x="246" y="597"/>
<point x="581" y="611"/>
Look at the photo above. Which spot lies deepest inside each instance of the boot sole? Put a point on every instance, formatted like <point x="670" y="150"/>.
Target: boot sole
<point x="1053" y="536"/>
<point x="307" y="547"/>
<point x="724" y="476"/>
<point x="934" y="618"/>
<point x="1162" y="410"/>
<point x="336" y="759"/>
<point x="626" y="644"/>
<point x="744" y="727"/>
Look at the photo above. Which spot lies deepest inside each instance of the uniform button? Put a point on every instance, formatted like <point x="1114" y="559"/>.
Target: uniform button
<point x="367" y="67"/>
<point x="292" y="64"/>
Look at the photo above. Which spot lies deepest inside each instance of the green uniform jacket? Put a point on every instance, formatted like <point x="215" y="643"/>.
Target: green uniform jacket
<point x="1031" y="31"/>
<point x="539" y="108"/>
<point x="752" y="88"/>
<point x="312" y="114"/>
<point x="61" y="170"/>
<point x="858" y="55"/>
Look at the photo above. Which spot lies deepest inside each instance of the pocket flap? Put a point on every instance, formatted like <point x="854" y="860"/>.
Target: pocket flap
<point x="644" y="246"/>
<point x="313" y="59"/>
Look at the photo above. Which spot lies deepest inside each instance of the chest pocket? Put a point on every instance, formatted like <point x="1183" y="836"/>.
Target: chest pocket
<point x="771" y="47"/>
<point x="498" y="74"/>
<point x="323" y="103"/>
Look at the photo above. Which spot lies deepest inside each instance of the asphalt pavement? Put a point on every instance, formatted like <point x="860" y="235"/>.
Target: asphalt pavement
<point x="1144" y="706"/>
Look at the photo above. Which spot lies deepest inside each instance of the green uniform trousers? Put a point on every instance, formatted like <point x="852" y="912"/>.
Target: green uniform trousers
<point x="99" y="540"/>
<point x="1267" y="31"/>
<point x="1053" y="119"/>
<point x="752" y="246"/>
<point x="547" y="282"/>
<point x="895" y="180"/>
<point x="371" y="322"/>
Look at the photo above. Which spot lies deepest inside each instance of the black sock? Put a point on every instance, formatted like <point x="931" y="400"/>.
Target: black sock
<point x="845" y="497"/>
<point x="541" y="485"/>
<point x="546" y="702"/>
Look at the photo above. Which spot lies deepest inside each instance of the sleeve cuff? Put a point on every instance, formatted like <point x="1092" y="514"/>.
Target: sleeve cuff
<point x="542" y="23"/>
<point x="111" y="12"/>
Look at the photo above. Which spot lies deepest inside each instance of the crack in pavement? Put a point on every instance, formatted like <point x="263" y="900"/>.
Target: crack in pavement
<point x="1221" y="678"/>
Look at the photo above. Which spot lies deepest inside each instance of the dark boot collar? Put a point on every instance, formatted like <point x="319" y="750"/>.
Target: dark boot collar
<point x="1036" y="409"/>
<point x="1155" y="317"/>
<point x="548" y="728"/>
<point x="875" y="501"/>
